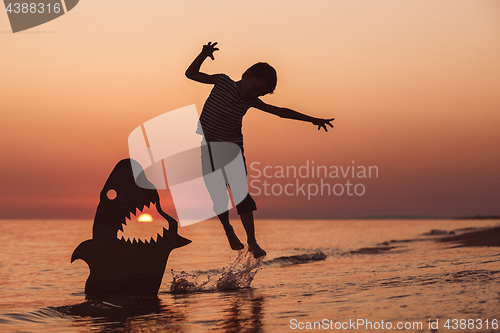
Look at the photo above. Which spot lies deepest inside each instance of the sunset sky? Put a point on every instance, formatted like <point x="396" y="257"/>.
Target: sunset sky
<point x="414" y="87"/>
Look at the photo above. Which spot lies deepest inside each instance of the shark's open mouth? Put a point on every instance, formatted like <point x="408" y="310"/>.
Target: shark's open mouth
<point x="133" y="230"/>
<point x="138" y="211"/>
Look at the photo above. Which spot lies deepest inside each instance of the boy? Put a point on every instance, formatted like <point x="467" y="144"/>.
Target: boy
<point x="221" y="121"/>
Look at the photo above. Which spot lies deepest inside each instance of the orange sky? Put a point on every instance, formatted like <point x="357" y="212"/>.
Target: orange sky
<point x="414" y="87"/>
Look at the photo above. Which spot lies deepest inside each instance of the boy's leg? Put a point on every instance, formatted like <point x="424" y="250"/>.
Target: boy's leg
<point x="234" y="242"/>
<point x="248" y="224"/>
<point x="218" y="194"/>
<point x="245" y="210"/>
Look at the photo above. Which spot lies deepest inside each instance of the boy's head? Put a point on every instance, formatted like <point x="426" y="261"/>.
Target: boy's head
<point x="260" y="80"/>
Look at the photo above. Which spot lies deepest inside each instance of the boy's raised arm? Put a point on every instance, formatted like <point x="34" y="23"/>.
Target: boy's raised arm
<point x="291" y="114"/>
<point x="193" y="71"/>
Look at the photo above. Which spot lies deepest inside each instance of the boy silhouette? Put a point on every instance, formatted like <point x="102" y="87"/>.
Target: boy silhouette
<point x="220" y="121"/>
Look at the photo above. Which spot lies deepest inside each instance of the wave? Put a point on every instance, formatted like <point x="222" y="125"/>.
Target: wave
<point x="237" y="275"/>
<point x="296" y="259"/>
<point x="115" y="307"/>
<point x="372" y="250"/>
<point x="42" y="315"/>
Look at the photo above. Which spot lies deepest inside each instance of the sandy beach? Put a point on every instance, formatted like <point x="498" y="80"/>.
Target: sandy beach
<point x="482" y="237"/>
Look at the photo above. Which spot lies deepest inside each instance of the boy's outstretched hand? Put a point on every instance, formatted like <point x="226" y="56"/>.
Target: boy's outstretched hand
<point x="322" y="123"/>
<point x="209" y="50"/>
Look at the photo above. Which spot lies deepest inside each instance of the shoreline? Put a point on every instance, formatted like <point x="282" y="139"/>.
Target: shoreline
<point x="482" y="237"/>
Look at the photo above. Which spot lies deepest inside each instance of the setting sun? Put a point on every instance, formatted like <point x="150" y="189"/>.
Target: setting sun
<point x="145" y="218"/>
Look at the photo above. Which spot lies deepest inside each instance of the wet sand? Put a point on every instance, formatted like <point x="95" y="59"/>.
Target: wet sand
<point x="482" y="237"/>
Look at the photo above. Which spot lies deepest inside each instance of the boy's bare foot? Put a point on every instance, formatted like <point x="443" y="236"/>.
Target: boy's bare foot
<point x="256" y="250"/>
<point x="233" y="239"/>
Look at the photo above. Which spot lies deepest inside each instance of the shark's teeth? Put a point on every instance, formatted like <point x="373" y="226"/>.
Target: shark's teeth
<point x="147" y="204"/>
<point x="142" y="240"/>
<point x="141" y="208"/>
<point x="128" y="215"/>
<point x="138" y="241"/>
<point x="121" y="227"/>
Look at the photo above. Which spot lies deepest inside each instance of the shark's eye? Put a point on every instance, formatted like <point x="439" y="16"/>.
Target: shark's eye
<point x="111" y="194"/>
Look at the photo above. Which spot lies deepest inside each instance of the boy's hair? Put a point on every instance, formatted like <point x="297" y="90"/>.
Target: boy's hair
<point x="266" y="73"/>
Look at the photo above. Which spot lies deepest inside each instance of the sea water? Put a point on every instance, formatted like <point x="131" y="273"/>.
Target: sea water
<point x="318" y="275"/>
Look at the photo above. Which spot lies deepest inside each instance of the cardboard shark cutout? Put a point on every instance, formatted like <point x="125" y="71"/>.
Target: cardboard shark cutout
<point x="119" y="266"/>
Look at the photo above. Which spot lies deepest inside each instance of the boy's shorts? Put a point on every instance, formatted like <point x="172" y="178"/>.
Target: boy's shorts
<point x="213" y="160"/>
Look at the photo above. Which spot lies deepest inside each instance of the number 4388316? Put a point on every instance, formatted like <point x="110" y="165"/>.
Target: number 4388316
<point x="471" y="324"/>
<point x="33" y="8"/>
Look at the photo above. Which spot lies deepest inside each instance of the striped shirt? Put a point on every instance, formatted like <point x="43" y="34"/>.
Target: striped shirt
<point x="223" y="112"/>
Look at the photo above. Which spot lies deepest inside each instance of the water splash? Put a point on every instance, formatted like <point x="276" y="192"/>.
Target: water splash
<point x="237" y="275"/>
